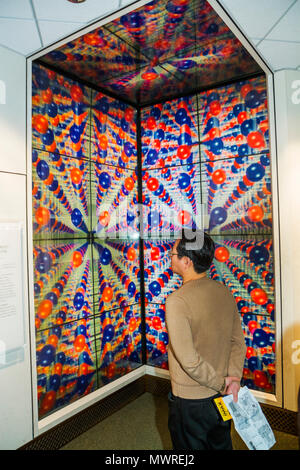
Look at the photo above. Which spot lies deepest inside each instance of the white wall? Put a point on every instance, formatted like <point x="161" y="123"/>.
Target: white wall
<point x="287" y="109"/>
<point x="15" y="378"/>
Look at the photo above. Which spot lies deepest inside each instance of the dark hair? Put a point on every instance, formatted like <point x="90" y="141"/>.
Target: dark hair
<point x="200" y="248"/>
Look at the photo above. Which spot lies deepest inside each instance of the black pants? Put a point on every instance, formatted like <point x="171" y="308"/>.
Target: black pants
<point x="197" y="425"/>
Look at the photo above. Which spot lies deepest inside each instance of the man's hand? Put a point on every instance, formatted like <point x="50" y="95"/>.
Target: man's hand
<point x="232" y="387"/>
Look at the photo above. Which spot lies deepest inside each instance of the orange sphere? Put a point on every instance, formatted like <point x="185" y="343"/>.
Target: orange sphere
<point x="40" y="123"/>
<point x="45" y="308"/>
<point x="152" y="184"/>
<point x="131" y="254"/>
<point x="107" y="294"/>
<point x="104" y="218"/>
<point x="76" y="175"/>
<point x="76" y="93"/>
<point x="42" y="215"/>
<point x="215" y="108"/>
<point x="218" y="176"/>
<point x="53" y="340"/>
<point x="129" y="184"/>
<point x="259" y="296"/>
<point x="255" y="140"/>
<point x="221" y="254"/>
<point x="79" y="343"/>
<point x="47" y="96"/>
<point x="184" y="217"/>
<point x="255" y="213"/>
<point x="156" y="323"/>
<point x="48" y="401"/>
<point x="77" y="259"/>
<point x="129" y="114"/>
<point x="132" y="324"/>
<point x="155" y="253"/>
<point x="245" y="89"/>
<point x="103" y="142"/>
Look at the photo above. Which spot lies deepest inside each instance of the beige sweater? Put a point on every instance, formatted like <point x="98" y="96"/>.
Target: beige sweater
<point x="206" y="341"/>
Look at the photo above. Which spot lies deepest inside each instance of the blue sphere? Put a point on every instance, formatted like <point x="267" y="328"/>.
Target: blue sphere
<point x="259" y="255"/>
<point x="78" y="301"/>
<point x="255" y="172"/>
<point x="218" y="216"/>
<point x="43" y="263"/>
<point x="184" y="180"/>
<point x="155" y="288"/>
<point x="104" y="180"/>
<point x="42" y="170"/>
<point x="76" y="217"/>
<point x="105" y="257"/>
<point x="260" y="338"/>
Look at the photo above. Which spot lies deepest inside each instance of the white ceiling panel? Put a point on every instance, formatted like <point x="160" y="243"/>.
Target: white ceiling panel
<point x="256" y="17"/>
<point x="126" y="2"/>
<point x="77" y="12"/>
<point x="280" y="54"/>
<point x="255" y="41"/>
<point x="52" y="31"/>
<point x="16" y="9"/>
<point x="25" y="41"/>
<point x="288" y="28"/>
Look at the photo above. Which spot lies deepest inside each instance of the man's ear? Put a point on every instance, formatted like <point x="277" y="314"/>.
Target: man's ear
<point x="187" y="261"/>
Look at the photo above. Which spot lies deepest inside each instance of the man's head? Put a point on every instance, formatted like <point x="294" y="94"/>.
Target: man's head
<point x="194" y="252"/>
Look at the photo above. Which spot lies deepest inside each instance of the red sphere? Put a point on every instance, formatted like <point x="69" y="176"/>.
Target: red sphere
<point x="47" y="96"/>
<point x="218" y="176"/>
<point x="255" y="140"/>
<point x="221" y="254"/>
<point x="156" y="323"/>
<point x="255" y="213"/>
<point x="77" y="259"/>
<point x="76" y="175"/>
<point x="40" y="123"/>
<point x="129" y="183"/>
<point x="104" y="218"/>
<point x="215" y="108"/>
<point x="183" y="152"/>
<point x="242" y="116"/>
<point x="79" y="343"/>
<point x="107" y="294"/>
<point x="155" y="253"/>
<point x="252" y="325"/>
<point x="152" y="184"/>
<point x="44" y="309"/>
<point x="76" y="93"/>
<point x="260" y="379"/>
<point x="259" y="296"/>
<point x="184" y="217"/>
<point x="42" y="215"/>
<point x="131" y="254"/>
<point x="245" y="89"/>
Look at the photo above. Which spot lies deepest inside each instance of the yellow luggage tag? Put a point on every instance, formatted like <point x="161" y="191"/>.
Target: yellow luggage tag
<point x="223" y="410"/>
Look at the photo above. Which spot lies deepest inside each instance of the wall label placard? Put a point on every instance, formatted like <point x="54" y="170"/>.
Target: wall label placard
<point x="11" y="294"/>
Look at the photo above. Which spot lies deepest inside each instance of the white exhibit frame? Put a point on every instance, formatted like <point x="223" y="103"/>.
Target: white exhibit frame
<point x="68" y="411"/>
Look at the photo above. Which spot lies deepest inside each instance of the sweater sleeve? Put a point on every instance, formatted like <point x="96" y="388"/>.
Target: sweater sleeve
<point x="180" y="337"/>
<point x="238" y="346"/>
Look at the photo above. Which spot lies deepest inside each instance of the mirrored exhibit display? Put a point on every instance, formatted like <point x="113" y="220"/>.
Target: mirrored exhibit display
<point x="133" y="141"/>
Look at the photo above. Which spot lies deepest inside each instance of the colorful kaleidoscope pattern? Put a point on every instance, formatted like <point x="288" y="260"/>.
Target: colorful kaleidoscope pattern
<point x="205" y="162"/>
<point x="140" y="55"/>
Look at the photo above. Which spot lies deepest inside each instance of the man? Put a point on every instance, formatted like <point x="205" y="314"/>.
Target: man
<point x="206" y="348"/>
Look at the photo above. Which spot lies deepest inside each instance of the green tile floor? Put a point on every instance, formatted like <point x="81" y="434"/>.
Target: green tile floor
<point x="142" y="425"/>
